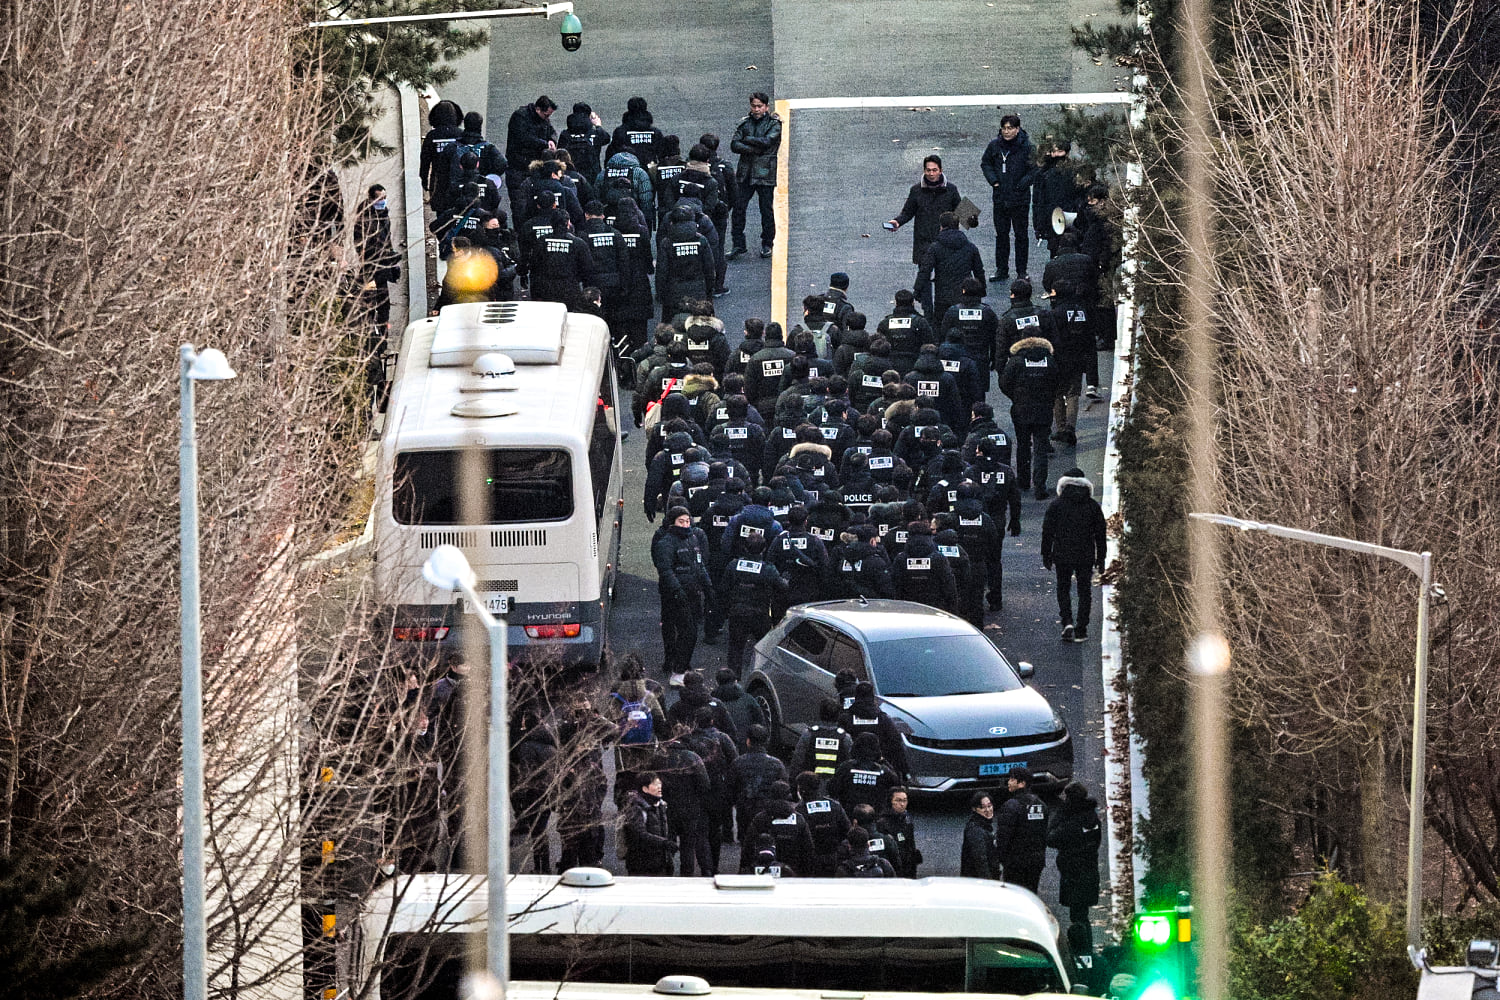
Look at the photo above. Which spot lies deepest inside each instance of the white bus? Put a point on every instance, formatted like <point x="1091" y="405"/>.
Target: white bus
<point x="937" y="935"/>
<point x="533" y="386"/>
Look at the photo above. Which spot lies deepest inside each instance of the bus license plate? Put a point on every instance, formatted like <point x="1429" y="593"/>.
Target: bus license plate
<point x="988" y="770"/>
<point x="495" y="604"/>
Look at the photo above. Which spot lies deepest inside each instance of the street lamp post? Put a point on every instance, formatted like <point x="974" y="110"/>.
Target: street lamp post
<point x="1419" y="563"/>
<point x="447" y="569"/>
<point x="207" y="366"/>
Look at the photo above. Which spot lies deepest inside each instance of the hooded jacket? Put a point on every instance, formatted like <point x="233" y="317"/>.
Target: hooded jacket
<point x="1075" y="832"/>
<point x="946" y="262"/>
<point x="444" y="119"/>
<point x="706" y="343"/>
<point x="924" y="576"/>
<point x="976" y="325"/>
<point x="907" y="330"/>
<point x="678" y="554"/>
<point x="937" y="388"/>
<point x="584" y="141"/>
<point x="648" y="840"/>
<point x="637" y="133"/>
<point x="685" y="269"/>
<point x="1023" y="319"/>
<point x="1009" y="169"/>
<point x="1073" y="529"/>
<point x="624" y="176"/>
<point x="851" y="344"/>
<point x="1030" y="379"/>
<point x="863" y="779"/>
<point x="788" y="827"/>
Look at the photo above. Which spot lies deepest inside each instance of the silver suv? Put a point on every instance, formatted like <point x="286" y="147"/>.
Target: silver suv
<point x="966" y="715"/>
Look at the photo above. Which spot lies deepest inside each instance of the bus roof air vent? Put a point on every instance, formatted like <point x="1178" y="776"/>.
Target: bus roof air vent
<point x="744" y="882"/>
<point x="485" y="405"/>
<point x="587" y="878"/>
<point x="530" y="333"/>
<point x="492" y="372"/>
<point x="682" y="986"/>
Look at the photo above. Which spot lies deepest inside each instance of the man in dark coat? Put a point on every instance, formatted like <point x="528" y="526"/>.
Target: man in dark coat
<point x="757" y="140"/>
<point x="528" y="137"/>
<point x="1008" y="167"/>
<point x="445" y="119"/>
<point x="751" y="777"/>
<point x="561" y="267"/>
<point x="927" y="200"/>
<point x="1021" y="320"/>
<point x="647" y="834"/>
<point x="947" y="261"/>
<point x="1055" y="185"/>
<point x="687" y="790"/>
<point x="906" y="330"/>
<point x="1074" y="542"/>
<point x="1021" y="832"/>
<point x="1031" y="380"/>
<point x="1075" y="832"/>
<point x="977" y="857"/>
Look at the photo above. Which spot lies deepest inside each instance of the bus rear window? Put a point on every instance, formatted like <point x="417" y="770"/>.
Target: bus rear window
<point x="520" y="485"/>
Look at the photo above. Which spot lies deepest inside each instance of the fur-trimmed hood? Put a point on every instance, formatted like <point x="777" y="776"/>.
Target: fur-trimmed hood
<point x="695" y="384"/>
<point x="1030" y="343"/>
<point x="713" y="322"/>
<point x="1081" y="482"/>
<point x="901" y="408"/>
<point x="811" y="447"/>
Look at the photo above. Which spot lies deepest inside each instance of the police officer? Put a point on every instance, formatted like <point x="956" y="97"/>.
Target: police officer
<point x="562" y="265"/>
<point x="861" y="863"/>
<point x="983" y="539"/>
<point x="922" y="574"/>
<point x="752" y="775"/>
<point x="822" y="747"/>
<point x="865" y="717"/>
<point x="678" y="552"/>
<point x="748" y="587"/>
<point x="975" y="322"/>
<point x="685" y="262"/>
<point x="906" y="330"/>
<point x="1021" y="832"/>
<point x="764" y="370"/>
<point x="610" y="259"/>
<point x="785" y="825"/>
<point x="1022" y="319"/>
<point x="826" y="821"/>
<point x="1074" y="326"/>
<point x="861" y="567"/>
<point x="865" y="777"/>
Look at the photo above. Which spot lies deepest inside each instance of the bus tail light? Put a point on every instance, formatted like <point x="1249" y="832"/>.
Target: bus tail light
<point x="420" y="633"/>
<point x="569" y="630"/>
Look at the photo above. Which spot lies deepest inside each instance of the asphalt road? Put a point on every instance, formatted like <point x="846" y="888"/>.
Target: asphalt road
<point x="696" y="63"/>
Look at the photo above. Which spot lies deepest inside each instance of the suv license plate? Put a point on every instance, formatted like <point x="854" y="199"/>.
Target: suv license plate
<point x="989" y="770"/>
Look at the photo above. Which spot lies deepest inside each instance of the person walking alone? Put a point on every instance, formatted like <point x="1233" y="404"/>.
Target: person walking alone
<point x="1074" y="542"/>
<point x="1075" y="832"/>
<point x="757" y="139"/>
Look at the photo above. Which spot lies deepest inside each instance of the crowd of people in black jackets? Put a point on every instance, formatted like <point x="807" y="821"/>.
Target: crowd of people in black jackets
<point x="831" y="460"/>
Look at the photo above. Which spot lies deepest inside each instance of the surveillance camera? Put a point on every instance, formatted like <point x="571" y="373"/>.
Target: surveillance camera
<point x="572" y="32"/>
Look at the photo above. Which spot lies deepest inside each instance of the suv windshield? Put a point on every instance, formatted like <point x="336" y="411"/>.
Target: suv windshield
<point x="933" y="666"/>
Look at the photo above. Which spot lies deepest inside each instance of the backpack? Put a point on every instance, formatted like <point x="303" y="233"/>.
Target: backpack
<point x="618" y="184"/>
<point x="866" y="867"/>
<point x="636" y="725"/>
<point x="455" y="155"/>
<point x="580" y="145"/>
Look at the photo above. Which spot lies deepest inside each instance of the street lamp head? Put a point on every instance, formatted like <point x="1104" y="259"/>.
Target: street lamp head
<point x="210" y="365"/>
<point x="448" y="569"/>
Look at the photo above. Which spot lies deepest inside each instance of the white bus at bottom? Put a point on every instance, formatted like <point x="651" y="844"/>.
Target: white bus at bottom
<point x="938" y="935"/>
<point x="530" y="389"/>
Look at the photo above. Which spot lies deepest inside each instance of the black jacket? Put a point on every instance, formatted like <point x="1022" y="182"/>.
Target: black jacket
<point x="1021" y="833"/>
<point x="638" y="135"/>
<point x="685" y="268"/>
<point x="977" y="859"/>
<point x="526" y="139"/>
<point x="648" y="835"/>
<point x="947" y="261"/>
<point x="977" y="325"/>
<point x="868" y="717"/>
<point x="753" y="773"/>
<point x="925" y="203"/>
<point x="1054" y="185"/>
<point x="678" y="554"/>
<point x="1009" y="169"/>
<point x="900" y="835"/>
<point x="1075" y="831"/>
<point x="862" y="782"/>
<point x="1073" y="529"/>
<point x="1030" y="379"/>
<point x="829" y="825"/>
<point x="446" y="128"/>
<point x="924" y="576"/>
<point x="585" y="141"/>
<point x="937" y="387"/>
<point x="1073" y="275"/>
<point x="560" y="269"/>
<point x="862" y="570"/>
<point x="907" y="332"/>
<point x="611" y="262"/>
<point x="1020" y="321"/>
<point x="789" y="829"/>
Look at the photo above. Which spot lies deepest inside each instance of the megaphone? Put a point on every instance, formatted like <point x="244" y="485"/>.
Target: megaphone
<point x="1062" y="220"/>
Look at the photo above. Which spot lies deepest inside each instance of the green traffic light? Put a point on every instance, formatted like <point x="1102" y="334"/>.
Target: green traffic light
<point x="1159" y="990"/>
<point x="1154" y="929"/>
